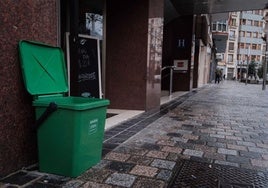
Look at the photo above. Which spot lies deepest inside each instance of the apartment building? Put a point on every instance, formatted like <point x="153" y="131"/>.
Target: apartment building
<point x="244" y="42"/>
<point x="220" y="36"/>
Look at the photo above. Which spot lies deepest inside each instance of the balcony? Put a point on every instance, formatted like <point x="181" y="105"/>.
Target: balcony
<point x="251" y="28"/>
<point x="250" y="40"/>
<point x="252" y="52"/>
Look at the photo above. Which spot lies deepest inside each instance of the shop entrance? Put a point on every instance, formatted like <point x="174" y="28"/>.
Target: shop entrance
<point x="82" y="40"/>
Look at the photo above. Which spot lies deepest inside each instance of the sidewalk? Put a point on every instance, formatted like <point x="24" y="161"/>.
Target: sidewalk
<point x="216" y="136"/>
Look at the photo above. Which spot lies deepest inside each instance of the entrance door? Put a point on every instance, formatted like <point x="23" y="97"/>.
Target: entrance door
<point x="230" y="73"/>
<point x="85" y="21"/>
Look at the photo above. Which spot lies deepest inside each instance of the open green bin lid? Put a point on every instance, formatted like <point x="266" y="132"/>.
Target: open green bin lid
<point x="43" y="68"/>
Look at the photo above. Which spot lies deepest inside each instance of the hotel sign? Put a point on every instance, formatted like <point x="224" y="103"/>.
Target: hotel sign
<point x="181" y="65"/>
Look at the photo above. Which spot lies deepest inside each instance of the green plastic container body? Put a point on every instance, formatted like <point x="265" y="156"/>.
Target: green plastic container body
<point x="70" y="139"/>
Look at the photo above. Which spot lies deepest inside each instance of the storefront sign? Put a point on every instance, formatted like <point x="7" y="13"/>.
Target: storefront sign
<point x="89" y="69"/>
<point x="181" y="43"/>
<point x="181" y="65"/>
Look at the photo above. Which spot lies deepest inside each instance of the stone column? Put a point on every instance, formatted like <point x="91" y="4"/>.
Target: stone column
<point x="133" y="53"/>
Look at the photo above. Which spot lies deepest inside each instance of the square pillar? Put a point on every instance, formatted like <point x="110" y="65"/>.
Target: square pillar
<point x="133" y="53"/>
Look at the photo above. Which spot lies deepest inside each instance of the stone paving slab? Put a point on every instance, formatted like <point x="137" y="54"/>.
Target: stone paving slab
<point x="224" y="124"/>
<point x="144" y="171"/>
<point x="124" y="180"/>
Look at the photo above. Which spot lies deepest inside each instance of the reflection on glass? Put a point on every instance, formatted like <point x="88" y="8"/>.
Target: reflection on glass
<point x="94" y="23"/>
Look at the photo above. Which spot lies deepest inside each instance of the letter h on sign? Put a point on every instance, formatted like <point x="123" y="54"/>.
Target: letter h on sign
<point x="181" y="43"/>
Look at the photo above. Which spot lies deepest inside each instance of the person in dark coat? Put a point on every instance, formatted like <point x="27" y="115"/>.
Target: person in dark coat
<point x="218" y="76"/>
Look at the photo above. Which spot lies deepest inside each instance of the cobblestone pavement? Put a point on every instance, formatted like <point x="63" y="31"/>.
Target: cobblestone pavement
<point x="219" y="124"/>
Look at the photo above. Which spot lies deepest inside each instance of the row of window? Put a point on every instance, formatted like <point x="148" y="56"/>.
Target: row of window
<point x="244" y="46"/>
<point x="222" y="26"/>
<point x="251" y="22"/>
<point x="219" y="26"/>
<point x="243" y="57"/>
<point x="248" y="45"/>
<point x="250" y="34"/>
<point x="257" y="12"/>
<point x="246" y="22"/>
<point x="247" y="34"/>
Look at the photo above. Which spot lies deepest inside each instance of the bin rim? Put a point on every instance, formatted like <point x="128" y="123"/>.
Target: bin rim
<point x="72" y="103"/>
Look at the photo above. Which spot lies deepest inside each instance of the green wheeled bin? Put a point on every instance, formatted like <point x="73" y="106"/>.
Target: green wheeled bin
<point x="70" y="138"/>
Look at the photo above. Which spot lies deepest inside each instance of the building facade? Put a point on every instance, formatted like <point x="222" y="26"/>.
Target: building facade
<point x="250" y="42"/>
<point x="244" y="44"/>
<point x="220" y="36"/>
<point x="134" y="50"/>
<point x="139" y="39"/>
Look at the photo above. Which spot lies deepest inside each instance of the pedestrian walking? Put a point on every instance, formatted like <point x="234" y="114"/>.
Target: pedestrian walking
<point x="217" y="76"/>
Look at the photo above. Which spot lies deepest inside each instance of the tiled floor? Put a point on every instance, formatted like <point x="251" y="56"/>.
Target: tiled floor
<point x="220" y="128"/>
<point x="165" y="97"/>
<point x="125" y="129"/>
<point x="119" y="115"/>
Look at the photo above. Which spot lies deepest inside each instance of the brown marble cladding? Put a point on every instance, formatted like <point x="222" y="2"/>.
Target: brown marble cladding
<point x="155" y="44"/>
<point x="30" y="20"/>
<point x="126" y="53"/>
<point x="130" y="76"/>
